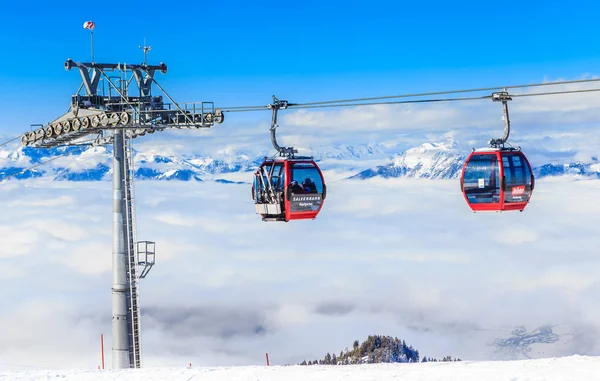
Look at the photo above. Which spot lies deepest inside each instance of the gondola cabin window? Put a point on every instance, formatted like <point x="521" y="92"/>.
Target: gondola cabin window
<point x="482" y="179"/>
<point x="269" y="181"/>
<point x="307" y="177"/>
<point x="268" y="190"/>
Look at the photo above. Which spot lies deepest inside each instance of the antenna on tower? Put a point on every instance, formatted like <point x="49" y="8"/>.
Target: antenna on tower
<point x="146" y="48"/>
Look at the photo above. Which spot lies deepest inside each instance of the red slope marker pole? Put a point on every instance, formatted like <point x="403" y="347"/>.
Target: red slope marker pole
<point x="266" y="354"/>
<point x="102" y="348"/>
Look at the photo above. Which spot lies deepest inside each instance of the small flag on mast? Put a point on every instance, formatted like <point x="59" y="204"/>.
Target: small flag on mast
<point x="90" y="25"/>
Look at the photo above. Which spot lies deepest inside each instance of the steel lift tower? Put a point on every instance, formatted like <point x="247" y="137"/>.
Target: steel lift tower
<point x="120" y="110"/>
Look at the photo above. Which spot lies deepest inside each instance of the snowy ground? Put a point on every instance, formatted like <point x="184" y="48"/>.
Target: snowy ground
<point x="563" y="369"/>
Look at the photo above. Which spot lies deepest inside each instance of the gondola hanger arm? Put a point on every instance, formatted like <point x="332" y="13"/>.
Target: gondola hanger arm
<point x="275" y="107"/>
<point x="503" y="97"/>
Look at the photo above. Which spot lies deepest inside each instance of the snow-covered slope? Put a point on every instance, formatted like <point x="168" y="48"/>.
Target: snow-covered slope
<point x="442" y="160"/>
<point x="430" y="160"/>
<point x="576" y="168"/>
<point x="445" y="161"/>
<point x="572" y="368"/>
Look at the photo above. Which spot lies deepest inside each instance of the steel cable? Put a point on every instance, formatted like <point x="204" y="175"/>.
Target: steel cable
<point x="358" y="101"/>
<point x="32" y="167"/>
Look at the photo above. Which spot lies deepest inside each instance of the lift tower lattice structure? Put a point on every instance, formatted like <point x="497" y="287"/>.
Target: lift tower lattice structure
<point x="122" y="109"/>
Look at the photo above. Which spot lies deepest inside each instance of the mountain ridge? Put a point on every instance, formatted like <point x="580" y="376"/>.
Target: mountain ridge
<point x="430" y="160"/>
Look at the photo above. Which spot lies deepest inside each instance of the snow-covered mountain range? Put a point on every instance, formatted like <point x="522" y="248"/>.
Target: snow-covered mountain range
<point x="429" y="160"/>
<point x="445" y="161"/>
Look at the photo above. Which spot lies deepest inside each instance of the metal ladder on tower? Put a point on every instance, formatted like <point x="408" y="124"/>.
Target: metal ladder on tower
<point x="133" y="307"/>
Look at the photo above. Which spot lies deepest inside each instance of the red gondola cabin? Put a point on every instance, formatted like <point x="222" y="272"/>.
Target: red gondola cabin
<point x="288" y="189"/>
<point x="496" y="180"/>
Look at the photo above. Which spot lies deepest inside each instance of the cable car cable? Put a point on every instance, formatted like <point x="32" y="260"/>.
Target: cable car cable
<point x="556" y="92"/>
<point x="11" y="140"/>
<point x="32" y="167"/>
<point x="443" y="99"/>
<point x="229" y="109"/>
<point x="297" y="106"/>
<point x="454" y="91"/>
<point x="390" y="102"/>
<point x="244" y="107"/>
<point x="307" y="106"/>
<point x="302" y="105"/>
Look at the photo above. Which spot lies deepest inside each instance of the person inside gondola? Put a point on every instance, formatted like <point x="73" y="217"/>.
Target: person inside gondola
<point x="309" y="186"/>
<point x="295" y="187"/>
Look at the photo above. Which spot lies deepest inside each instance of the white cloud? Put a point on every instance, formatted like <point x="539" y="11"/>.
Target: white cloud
<point x="59" y="201"/>
<point x="384" y="117"/>
<point x="176" y="219"/>
<point x="59" y="229"/>
<point x="192" y="222"/>
<point x="294" y="314"/>
<point x="515" y="235"/>
<point x="16" y="240"/>
<point x="441" y="256"/>
<point x="10" y="272"/>
<point x="561" y="280"/>
<point x="88" y="159"/>
<point x="45" y="332"/>
<point x="92" y="258"/>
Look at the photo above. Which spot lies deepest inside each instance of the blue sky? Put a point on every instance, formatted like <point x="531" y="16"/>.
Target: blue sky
<point x="238" y="53"/>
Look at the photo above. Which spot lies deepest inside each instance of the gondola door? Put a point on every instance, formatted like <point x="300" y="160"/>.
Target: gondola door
<point x="517" y="181"/>
<point x="480" y="181"/>
<point x="268" y="190"/>
<point x="306" y="190"/>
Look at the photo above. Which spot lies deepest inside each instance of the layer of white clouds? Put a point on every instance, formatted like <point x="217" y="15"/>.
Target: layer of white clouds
<point x="399" y="257"/>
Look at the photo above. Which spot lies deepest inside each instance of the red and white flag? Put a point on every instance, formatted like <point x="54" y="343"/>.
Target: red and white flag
<point x="89" y="25"/>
